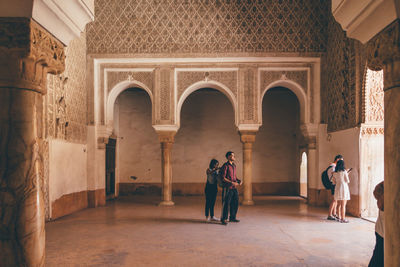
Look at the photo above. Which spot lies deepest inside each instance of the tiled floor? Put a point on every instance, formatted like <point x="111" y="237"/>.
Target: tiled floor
<point x="277" y="231"/>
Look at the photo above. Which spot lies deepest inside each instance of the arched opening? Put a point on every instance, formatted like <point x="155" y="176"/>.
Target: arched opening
<point x="207" y="131"/>
<point x="372" y="143"/>
<point x="138" y="166"/>
<point x="276" y="158"/>
<point x="303" y="175"/>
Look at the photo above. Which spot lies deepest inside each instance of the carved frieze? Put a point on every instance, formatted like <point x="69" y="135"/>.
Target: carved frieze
<point x="374" y="96"/>
<point x="372" y="130"/>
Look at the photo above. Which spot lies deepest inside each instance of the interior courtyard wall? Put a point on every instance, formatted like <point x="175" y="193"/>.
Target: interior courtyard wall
<point x="275" y="152"/>
<point x="65" y="115"/>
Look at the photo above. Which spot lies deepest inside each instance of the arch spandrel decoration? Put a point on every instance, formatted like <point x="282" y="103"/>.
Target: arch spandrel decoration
<point x="144" y="77"/>
<point x="228" y="77"/>
<point x="206" y="84"/>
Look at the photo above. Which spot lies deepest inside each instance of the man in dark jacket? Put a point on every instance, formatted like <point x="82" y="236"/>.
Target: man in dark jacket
<point x="230" y="192"/>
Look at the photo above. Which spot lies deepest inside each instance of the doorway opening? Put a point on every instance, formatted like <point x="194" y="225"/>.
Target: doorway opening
<point x="372" y="143"/>
<point x="303" y="175"/>
<point x="276" y="149"/>
<point x="110" y="168"/>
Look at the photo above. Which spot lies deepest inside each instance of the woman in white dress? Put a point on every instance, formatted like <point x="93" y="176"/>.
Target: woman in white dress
<point x="342" y="192"/>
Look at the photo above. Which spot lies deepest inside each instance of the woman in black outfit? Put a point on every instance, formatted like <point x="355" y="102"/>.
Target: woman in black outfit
<point x="211" y="190"/>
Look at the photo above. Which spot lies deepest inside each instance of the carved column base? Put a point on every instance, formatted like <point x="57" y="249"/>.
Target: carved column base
<point x="248" y="202"/>
<point x="166" y="203"/>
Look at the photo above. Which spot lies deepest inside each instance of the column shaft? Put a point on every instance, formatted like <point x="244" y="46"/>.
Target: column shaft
<point x="166" y="174"/>
<point x="167" y="140"/>
<point x="392" y="177"/>
<point x="247" y="138"/>
<point x="247" y="174"/>
<point x="22" y="235"/>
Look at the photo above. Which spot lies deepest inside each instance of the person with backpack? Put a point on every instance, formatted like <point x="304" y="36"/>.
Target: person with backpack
<point x="341" y="179"/>
<point x="230" y="201"/>
<point x="211" y="190"/>
<point x="327" y="181"/>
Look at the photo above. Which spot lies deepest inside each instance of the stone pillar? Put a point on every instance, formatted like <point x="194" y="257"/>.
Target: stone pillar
<point x="312" y="171"/>
<point x="27" y="53"/>
<point x="247" y="138"/>
<point x="166" y="140"/>
<point x="383" y="52"/>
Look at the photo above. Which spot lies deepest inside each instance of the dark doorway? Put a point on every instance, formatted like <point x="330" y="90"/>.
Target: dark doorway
<point x="110" y="168"/>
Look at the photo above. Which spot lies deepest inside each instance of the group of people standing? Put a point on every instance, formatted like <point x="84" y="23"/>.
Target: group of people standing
<point x="227" y="178"/>
<point x="339" y="176"/>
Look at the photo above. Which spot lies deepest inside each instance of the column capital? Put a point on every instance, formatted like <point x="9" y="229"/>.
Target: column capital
<point x="166" y="136"/>
<point x="28" y="52"/>
<point x="383" y="52"/>
<point x="247" y="136"/>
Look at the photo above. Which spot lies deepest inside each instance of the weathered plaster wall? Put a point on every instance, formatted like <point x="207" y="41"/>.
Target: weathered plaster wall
<point x="67" y="173"/>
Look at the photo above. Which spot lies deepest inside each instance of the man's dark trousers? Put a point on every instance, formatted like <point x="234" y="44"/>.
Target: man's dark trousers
<point x="231" y="202"/>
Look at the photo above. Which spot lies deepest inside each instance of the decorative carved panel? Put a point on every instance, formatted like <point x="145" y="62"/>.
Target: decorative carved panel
<point x="374" y="96"/>
<point x="67" y="96"/>
<point x="185" y="27"/>
<point x="187" y="78"/>
<point x="113" y="78"/>
<point x="268" y="77"/>
<point x="165" y="94"/>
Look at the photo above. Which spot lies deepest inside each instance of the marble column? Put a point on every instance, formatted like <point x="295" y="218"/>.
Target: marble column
<point x="167" y="140"/>
<point x="27" y="53"/>
<point x="383" y="52"/>
<point x="247" y="138"/>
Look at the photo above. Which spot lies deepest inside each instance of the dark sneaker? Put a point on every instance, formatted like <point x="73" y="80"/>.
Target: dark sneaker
<point x="331" y="218"/>
<point x="223" y="222"/>
<point x="234" y="220"/>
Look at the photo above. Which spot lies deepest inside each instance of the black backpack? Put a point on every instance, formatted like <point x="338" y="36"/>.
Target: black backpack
<point x="325" y="178"/>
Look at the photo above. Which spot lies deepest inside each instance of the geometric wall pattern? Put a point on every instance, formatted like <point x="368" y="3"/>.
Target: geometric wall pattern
<point x="191" y="26"/>
<point x="338" y="90"/>
<point x="66" y="99"/>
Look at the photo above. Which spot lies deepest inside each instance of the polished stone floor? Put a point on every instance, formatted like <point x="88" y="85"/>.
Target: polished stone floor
<point x="277" y="231"/>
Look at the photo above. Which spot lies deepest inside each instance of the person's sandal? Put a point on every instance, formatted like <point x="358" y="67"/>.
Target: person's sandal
<point x="344" y="221"/>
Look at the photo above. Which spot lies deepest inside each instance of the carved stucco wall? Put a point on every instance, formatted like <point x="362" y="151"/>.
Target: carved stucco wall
<point x="203" y="27"/>
<point x="341" y="80"/>
<point x="65" y="105"/>
<point x="67" y="96"/>
<point x="374" y="96"/>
